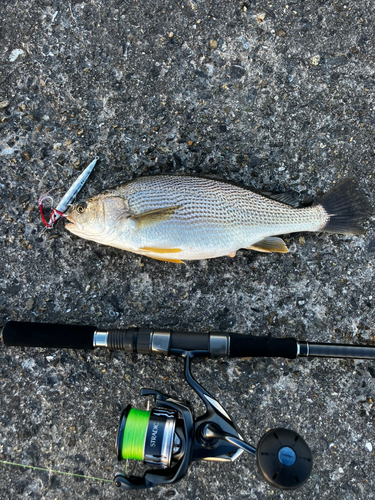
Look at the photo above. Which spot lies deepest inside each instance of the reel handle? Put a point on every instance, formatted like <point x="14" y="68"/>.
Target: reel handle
<point x="284" y="459"/>
<point x="211" y="432"/>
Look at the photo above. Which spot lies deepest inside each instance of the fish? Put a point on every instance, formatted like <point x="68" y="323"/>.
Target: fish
<point x="177" y="218"/>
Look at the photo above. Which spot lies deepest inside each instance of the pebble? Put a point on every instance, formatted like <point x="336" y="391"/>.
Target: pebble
<point x="15" y="53"/>
<point x="369" y="447"/>
<point x="26" y="155"/>
<point x="29" y="304"/>
<point x="315" y="60"/>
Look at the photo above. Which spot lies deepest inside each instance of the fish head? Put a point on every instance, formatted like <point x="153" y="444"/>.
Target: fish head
<point x="96" y="217"/>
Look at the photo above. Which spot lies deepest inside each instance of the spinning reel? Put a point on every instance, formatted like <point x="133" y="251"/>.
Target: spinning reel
<point x="169" y="438"/>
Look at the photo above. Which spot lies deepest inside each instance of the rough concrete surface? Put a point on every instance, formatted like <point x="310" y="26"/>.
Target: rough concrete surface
<point x="270" y="94"/>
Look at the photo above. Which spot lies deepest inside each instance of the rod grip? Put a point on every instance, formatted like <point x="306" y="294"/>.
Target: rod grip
<point x="28" y="334"/>
<point x="251" y="346"/>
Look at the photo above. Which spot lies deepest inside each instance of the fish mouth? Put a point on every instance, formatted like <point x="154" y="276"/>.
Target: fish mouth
<point x="78" y="229"/>
<point x="73" y="226"/>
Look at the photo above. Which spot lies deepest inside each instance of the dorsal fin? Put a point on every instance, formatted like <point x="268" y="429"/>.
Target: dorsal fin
<point x="291" y="198"/>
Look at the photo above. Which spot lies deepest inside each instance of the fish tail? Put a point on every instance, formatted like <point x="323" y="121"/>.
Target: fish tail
<point x="347" y="208"/>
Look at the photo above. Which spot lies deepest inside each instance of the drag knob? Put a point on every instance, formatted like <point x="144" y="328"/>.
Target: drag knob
<point x="284" y="459"/>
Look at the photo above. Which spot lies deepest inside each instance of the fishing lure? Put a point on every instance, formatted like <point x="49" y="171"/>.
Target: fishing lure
<point x="67" y="199"/>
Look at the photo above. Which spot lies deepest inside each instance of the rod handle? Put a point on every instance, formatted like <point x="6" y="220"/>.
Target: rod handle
<point x="268" y="347"/>
<point x="27" y="334"/>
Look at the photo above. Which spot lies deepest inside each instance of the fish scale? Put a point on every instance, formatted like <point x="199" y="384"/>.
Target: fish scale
<point x="227" y="204"/>
<point x="196" y="218"/>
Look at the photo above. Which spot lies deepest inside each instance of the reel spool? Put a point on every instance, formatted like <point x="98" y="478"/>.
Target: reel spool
<point x="169" y="438"/>
<point x="149" y="436"/>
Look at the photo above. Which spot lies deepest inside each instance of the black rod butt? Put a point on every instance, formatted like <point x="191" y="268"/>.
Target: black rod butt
<point x="58" y="336"/>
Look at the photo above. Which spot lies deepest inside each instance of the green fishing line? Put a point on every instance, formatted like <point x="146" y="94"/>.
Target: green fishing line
<point x="134" y="438"/>
<point x="52" y="471"/>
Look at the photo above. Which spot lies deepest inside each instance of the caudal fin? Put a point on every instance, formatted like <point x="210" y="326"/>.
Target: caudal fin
<point x="347" y="208"/>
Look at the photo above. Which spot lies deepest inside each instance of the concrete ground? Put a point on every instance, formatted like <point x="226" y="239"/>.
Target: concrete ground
<point x="270" y="94"/>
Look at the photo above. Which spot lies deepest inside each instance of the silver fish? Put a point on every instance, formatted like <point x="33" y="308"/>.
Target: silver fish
<point x="176" y="218"/>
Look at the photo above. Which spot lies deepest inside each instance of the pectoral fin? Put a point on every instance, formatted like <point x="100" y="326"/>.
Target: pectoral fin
<point x="271" y="244"/>
<point x="154" y="216"/>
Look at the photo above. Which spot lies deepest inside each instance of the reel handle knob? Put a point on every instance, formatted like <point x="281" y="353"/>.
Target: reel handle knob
<point x="284" y="459"/>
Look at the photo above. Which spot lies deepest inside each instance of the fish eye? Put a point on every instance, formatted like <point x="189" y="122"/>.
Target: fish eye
<point x="81" y="207"/>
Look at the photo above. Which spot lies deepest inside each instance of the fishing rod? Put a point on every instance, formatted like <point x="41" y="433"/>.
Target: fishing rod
<point x="169" y="437"/>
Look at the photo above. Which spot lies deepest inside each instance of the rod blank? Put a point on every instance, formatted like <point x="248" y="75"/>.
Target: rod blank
<point x="348" y="351"/>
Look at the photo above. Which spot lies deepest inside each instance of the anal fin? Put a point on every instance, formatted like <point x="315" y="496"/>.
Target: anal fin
<point x="270" y="244"/>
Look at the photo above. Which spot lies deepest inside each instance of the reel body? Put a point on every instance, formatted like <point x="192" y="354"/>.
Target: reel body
<point x="169" y="438"/>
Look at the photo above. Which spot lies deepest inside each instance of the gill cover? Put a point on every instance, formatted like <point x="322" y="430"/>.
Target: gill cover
<point x="97" y="216"/>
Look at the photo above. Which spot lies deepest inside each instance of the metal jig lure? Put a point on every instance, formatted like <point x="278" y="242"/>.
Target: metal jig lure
<point x="67" y="199"/>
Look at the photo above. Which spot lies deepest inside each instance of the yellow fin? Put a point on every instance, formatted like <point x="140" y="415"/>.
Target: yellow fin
<point x="176" y="261"/>
<point x="154" y="216"/>
<point x="271" y="244"/>
<point x="161" y="250"/>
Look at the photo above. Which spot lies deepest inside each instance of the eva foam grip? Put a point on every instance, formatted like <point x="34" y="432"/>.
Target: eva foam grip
<point x="27" y="334"/>
<point x="268" y="347"/>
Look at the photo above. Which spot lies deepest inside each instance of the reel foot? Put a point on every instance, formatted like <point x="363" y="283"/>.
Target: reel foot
<point x="284" y="459"/>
